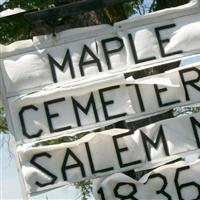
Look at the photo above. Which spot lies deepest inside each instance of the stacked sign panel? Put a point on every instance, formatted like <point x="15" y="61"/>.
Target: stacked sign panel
<point x="167" y="182"/>
<point x="83" y="80"/>
<point x="54" y="111"/>
<point x="82" y="159"/>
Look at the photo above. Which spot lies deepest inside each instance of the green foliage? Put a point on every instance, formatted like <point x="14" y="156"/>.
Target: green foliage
<point x="3" y="123"/>
<point x="85" y="187"/>
<point x="17" y="28"/>
<point x="14" y="29"/>
<point x="132" y="7"/>
<point x="27" y="4"/>
<point x="186" y="110"/>
<point x="62" y="139"/>
<point x="162" y="4"/>
<point x="195" y="109"/>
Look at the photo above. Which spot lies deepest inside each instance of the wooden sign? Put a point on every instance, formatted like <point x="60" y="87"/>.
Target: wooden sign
<point x="67" y="109"/>
<point x="176" y="181"/>
<point x="50" y="166"/>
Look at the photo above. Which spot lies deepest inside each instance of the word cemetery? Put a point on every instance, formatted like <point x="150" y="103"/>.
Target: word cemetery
<point x="106" y="104"/>
<point x="82" y="84"/>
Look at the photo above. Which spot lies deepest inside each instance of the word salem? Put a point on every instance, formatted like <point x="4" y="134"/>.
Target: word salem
<point x="103" y="153"/>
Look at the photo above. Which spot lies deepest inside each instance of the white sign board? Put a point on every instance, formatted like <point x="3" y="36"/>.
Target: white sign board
<point x="76" y="53"/>
<point x="69" y="108"/>
<point x="103" y="153"/>
<point x="176" y="181"/>
<point x="81" y="78"/>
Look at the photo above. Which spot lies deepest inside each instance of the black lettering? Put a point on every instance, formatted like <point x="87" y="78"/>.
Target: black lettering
<point x="33" y="162"/>
<point x="137" y="89"/>
<point x="94" y="171"/>
<point x="134" y="52"/>
<point x="66" y="167"/>
<point x="128" y="196"/>
<point x="107" y="52"/>
<point x="23" y="125"/>
<point x="91" y="102"/>
<point x="155" y="144"/>
<point x="162" y="190"/>
<point x="194" y="124"/>
<point x="62" y="67"/>
<point x="139" y="98"/>
<point x="119" y="150"/>
<point x="106" y="103"/>
<point x="190" y="82"/>
<point x="50" y="116"/>
<point x="94" y="60"/>
<point x="101" y="193"/>
<point x="160" y="103"/>
<point x="189" y="184"/>
<point x="161" y="41"/>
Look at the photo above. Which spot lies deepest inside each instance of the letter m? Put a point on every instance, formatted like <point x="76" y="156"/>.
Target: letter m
<point x="160" y="137"/>
<point x="62" y="67"/>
